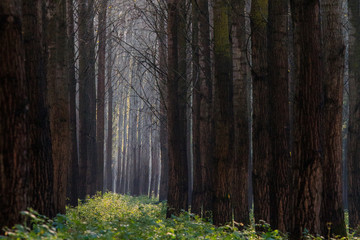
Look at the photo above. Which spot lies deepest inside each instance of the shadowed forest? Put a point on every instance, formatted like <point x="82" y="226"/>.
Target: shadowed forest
<point x="179" y="119"/>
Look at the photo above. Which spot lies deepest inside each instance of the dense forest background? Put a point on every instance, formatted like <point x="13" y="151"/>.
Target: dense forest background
<point x="215" y="106"/>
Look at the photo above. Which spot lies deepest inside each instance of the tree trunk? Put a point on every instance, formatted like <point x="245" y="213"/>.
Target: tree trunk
<point x="73" y="169"/>
<point x="176" y="111"/>
<point x="279" y="170"/>
<point x="354" y="117"/>
<point x="163" y="115"/>
<point x="239" y="168"/>
<point x="87" y="106"/>
<point x="307" y="156"/>
<point x="58" y="97"/>
<point x="332" y="210"/>
<point x="223" y="114"/>
<point x="100" y="100"/>
<point x="109" y="142"/>
<point x="198" y="192"/>
<point x="261" y="141"/>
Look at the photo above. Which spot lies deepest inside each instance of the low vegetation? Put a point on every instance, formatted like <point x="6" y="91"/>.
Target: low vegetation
<point x="113" y="216"/>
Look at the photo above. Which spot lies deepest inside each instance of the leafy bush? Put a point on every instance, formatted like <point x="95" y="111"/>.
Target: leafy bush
<point x="113" y="216"/>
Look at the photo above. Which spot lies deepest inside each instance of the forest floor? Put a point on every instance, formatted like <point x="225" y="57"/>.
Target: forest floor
<point x="113" y="216"/>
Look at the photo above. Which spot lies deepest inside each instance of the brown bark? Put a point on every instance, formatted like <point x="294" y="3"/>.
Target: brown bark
<point x="239" y="168"/>
<point x="223" y="114"/>
<point x="307" y="172"/>
<point x="73" y="169"/>
<point x="354" y="117"/>
<point x="261" y="141"/>
<point x="100" y="99"/>
<point x="58" y="96"/>
<point x="40" y="196"/>
<point x="176" y="110"/>
<point x="87" y="106"/>
<point x="332" y="210"/>
<point x="197" y="192"/>
<point x="163" y="121"/>
<point x="109" y="142"/>
<point x="279" y="170"/>
<point x="13" y="133"/>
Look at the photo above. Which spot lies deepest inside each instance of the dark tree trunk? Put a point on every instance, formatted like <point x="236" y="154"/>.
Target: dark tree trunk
<point x="332" y="210"/>
<point x="279" y="170"/>
<point x="307" y="154"/>
<point x="87" y="106"/>
<point x="100" y="99"/>
<point x="239" y="168"/>
<point x="109" y="142"/>
<point x="14" y="116"/>
<point x="163" y="115"/>
<point x="176" y="111"/>
<point x="223" y="114"/>
<point x="73" y="169"/>
<point x="197" y="192"/>
<point x="40" y="193"/>
<point x="260" y="138"/>
<point x="58" y="97"/>
<point x="354" y="117"/>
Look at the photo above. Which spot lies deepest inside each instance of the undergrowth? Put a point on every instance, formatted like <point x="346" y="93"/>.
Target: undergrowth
<point x="113" y="216"/>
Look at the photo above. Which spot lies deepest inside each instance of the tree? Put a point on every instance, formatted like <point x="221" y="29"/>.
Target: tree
<point x="307" y="169"/>
<point x="73" y="169"/>
<point x="87" y="106"/>
<point x="279" y="168"/>
<point x="223" y="114"/>
<point x="239" y="167"/>
<point x="176" y="111"/>
<point x="332" y="210"/>
<point x="13" y="116"/>
<point x="40" y="193"/>
<point x="58" y="97"/>
<point x="354" y="116"/>
<point x="100" y="100"/>
<point x="261" y="141"/>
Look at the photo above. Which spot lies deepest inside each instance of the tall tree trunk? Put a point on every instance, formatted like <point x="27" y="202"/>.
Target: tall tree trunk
<point x="261" y="141"/>
<point x="87" y="106"/>
<point x="354" y="116"/>
<point x="206" y="90"/>
<point x="163" y="115"/>
<point x="73" y="169"/>
<point x="100" y="100"/>
<point x="279" y="170"/>
<point x="40" y="192"/>
<point x="109" y="142"/>
<point x="332" y="210"/>
<point x="197" y="192"/>
<point x="58" y="96"/>
<point x="223" y="114"/>
<point x="307" y="156"/>
<point x="240" y="187"/>
<point x="176" y="110"/>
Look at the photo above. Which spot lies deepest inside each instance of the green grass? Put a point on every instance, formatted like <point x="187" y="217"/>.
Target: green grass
<point x="113" y="216"/>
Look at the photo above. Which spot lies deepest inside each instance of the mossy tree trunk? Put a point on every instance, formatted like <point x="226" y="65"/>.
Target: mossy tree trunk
<point x="223" y="114"/>
<point x="261" y="108"/>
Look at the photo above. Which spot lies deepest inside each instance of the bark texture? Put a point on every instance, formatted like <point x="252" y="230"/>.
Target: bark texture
<point x="307" y="154"/>
<point x="176" y="111"/>
<point x="279" y="170"/>
<point x="261" y="141"/>
<point x="332" y="210"/>
<point x="223" y="114"/>
<point x="354" y="118"/>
